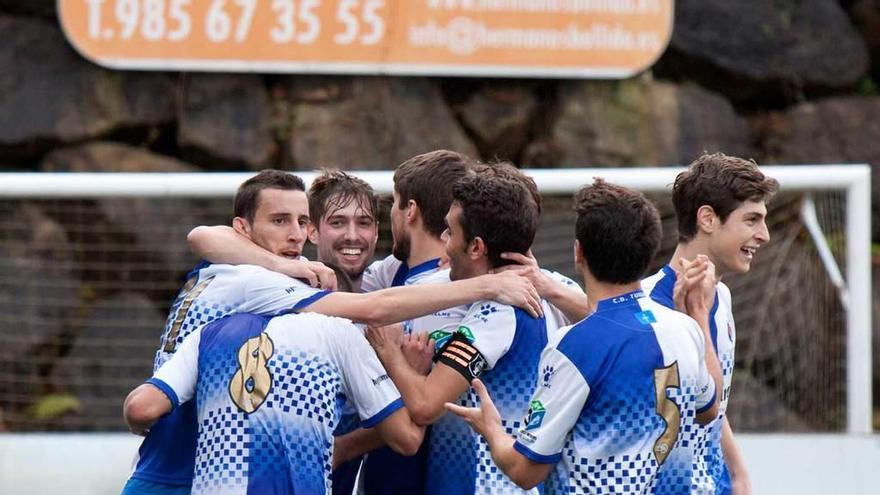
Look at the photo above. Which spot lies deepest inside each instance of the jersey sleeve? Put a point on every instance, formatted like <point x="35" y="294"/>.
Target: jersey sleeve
<point x="379" y="274"/>
<point x="554" y="409"/>
<point x="554" y="316"/>
<point x="705" y="392"/>
<point x="483" y="336"/>
<point x="268" y="293"/>
<point x="366" y="382"/>
<point x="177" y="378"/>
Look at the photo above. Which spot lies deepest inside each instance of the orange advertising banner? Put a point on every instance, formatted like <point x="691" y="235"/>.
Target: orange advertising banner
<point x="527" y="38"/>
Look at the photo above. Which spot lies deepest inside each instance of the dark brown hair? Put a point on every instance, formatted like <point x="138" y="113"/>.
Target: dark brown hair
<point x="507" y="169"/>
<point x="248" y="194"/>
<point x="618" y="230"/>
<point x="500" y="211"/>
<point x="720" y="181"/>
<point x="335" y="189"/>
<point x="427" y="179"/>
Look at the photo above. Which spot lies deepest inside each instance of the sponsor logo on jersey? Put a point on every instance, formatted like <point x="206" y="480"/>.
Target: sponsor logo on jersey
<point x="440" y="338"/>
<point x="547" y="375"/>
<point x="486" y="310"/>
<point x="379" y="379"/>
<point x="290" y="290"/>
<point x="536" y="415"/>
<point x="468" y="334"/>
<point x="527" y="437"/>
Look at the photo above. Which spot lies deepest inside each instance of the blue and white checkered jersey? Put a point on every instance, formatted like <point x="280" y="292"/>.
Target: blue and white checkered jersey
<point x="386" y="472"/>
<point x="211" y="291"/>
<point x="615" y="393"/>
<point x="510" y="341"/>
<point x="447" y="319"/>
<point x="269" y="395"/>
<point x="711" y="468"/>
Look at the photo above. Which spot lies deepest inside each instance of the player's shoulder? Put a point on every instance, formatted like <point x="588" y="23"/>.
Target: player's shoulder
<point x="562" y="279"/>
<point x="437" y="277"/>
<point x="659" y="281"/>
<point x="379" y="274"/>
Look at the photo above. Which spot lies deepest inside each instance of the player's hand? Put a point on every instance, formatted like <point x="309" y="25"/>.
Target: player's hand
<point x="513" y="287"/>
<point x="485" y="420"/>
<point x="527" y="266"/>
<point x="314" y="273"/>
<point x="385" y="339"/>
<point x="699" y="280"/>
<point x="419" y="351"/>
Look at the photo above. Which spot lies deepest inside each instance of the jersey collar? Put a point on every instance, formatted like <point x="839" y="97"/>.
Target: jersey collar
<point x="621" y="300"/>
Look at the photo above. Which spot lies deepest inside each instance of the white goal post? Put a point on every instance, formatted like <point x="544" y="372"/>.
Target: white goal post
<point x="854" y="180"/>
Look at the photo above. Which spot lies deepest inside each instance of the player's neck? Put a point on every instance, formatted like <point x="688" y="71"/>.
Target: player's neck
<point x="424" y="247"/>
<point x="689" y="251"/>
<point x="599" y="291"/>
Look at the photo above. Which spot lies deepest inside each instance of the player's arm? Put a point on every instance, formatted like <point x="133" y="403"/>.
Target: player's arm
<point x="739" y="476"/>
<point x="403" y="303"/>
<point x="143" y="407"/>
<point x="694" y="293"/>
<point x="424" y="396"/>
<point x="355" y="444"/>
<point x="223" y="244"/>
<point x="570" y="300"/>
<point x="173" y="384"/>
<point x="486" y="421"/>
<point x="401" y="433"/>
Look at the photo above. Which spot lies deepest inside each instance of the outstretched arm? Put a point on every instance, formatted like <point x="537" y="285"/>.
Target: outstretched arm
<point x="486" y="421"/>
<point x="222" y="244"/>
<point x="403" y="303"/>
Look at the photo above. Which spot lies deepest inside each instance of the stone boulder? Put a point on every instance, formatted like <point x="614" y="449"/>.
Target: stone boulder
<point x="145" y="237"/>
<point x="226" y="120"/>
<point x="367" y="122"/>
<point x="49" y="94"/>
<point x="501" y="117"/>
<point x="834" y="130"/>
<point x="42" y="8"/>
<point x="638" y="122"/>
<point x="866" y="17"/>
<point x="112" y="354"/>
<point x="765" y="51"/>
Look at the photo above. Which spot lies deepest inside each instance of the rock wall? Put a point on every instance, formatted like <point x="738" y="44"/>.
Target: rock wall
<point x="781" y="81"/>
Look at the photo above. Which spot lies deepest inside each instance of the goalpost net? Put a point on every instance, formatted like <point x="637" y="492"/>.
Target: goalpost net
<point x="89" y="264"/>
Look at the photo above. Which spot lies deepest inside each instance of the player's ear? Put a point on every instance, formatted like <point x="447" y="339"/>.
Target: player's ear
<point x="707" y="219"/>
<point x="314" y="236"/>
<point x="242" y="226"/>
<point x="578" y="254"/>
<point x="412" y="211"/>
<point x="477" y="248"/>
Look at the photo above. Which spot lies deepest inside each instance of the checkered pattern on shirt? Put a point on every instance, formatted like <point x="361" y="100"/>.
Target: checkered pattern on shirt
<point x="199" y="314"/>
<point x="222" y="453"/>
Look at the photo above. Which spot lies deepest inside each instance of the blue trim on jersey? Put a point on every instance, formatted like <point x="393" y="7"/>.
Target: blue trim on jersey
<point x="201" y="264"/>
<point x="167" y="455"/>
<point x="623" y="299"/>
<point x="663" y="292"/>
<point x="310" y="300"/>
<point x="404" y="272"/>
<point x="709" y="405"/>
<point x="167" y="390"/>
<point x="381" y="415"/>
<point x="536" y="457"/>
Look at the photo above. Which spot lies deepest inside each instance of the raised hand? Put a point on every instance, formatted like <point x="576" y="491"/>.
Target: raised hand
<point x="385" y="339"/>
<point x="485" y="420"/>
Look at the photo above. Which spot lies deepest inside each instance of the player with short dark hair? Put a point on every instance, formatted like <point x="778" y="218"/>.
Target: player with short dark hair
<point x="615" y="389"/>
<point x="213" y="291"/>
<point x="720" y="205"/>
<point x="489" y="215"/>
